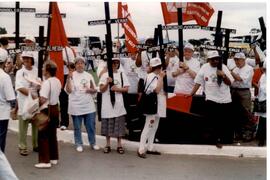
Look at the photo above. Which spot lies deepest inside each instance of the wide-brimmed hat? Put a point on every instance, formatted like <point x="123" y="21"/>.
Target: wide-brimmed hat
<point x="30" y="38"/>
<point x="239" y="56"/>
<point x="189" y="46"/>
<point x="3" y="55"/>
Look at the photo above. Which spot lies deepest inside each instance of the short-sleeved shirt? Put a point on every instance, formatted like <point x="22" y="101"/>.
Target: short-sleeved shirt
<point x="207" y="76"/>
<point x="80" y="102"/>
<point x="6" y="94"/>
<point x="21" y="82"/>
<point x="50" y="89"/>
<point x="132" y="72"/>
<point x="172" y="67"/>
<point x="107" y="110"/>
<point x="184" y="82"/>
<point x="150" y="86"/>
<point x="246" y="74"/>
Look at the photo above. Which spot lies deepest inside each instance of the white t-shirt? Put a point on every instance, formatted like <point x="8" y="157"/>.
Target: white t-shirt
<point x="161" y="97"/>
<point x="107" y="110"/>
<point x="246" y="74"/>
<point x="68" y="55"/>
<point x="21" y="82"/>
<point x="184" y="82"/>
<point x="132" y="72"/>
<point x="50" y="89"/>
<point x="172" y="67"/>
<point x="6" y="94"/>
<point x="207" y="76"/>
<point x="80" y="102"/>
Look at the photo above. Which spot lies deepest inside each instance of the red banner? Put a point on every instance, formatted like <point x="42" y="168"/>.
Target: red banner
<point x="57" y="38"/>
<point x="200" y="12"/>
<point x="130" y="31"/>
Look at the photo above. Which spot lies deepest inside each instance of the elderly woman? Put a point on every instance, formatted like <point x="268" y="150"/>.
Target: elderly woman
<point x="23" y="88"/>
<point x="49" y="97"/>
<point x="80" y="87"/>
<point x="113" y="116"/>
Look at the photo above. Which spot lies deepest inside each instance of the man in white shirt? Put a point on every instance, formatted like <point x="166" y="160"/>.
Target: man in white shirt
<point x="186" y="72"/>
<point x="241" y="95"/>
<point x="30" y="45"/>
<point x="218" y="97"/>
<point x="172" y="62"/>
<point x="7" y="99"/>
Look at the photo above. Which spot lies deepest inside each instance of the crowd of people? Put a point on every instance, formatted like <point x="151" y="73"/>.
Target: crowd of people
<point x="134" y="77"/>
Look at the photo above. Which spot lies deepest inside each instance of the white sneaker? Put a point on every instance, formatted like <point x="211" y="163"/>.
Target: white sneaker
<point x="54" y="162"/>
<point x="95" y="147"/>
<point x="79" y="149"/>
<point x="43" y="165"/>
<point x="63" y="128"/>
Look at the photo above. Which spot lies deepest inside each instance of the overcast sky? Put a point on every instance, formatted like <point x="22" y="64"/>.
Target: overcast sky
<point x="146" y="16"/>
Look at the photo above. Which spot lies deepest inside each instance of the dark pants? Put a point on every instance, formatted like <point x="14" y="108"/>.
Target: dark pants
<point x="3" y="134"/>
<point x="261" y="133"/>
<point x="218" y="115"/>
<point x="63" y="98"/>
<point x="47" y="139"/>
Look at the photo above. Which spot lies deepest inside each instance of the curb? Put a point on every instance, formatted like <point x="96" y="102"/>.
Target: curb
<point x="176" y="149"/>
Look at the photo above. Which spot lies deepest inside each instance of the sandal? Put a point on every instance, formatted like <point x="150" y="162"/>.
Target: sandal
<point x="23" y="152"/>
<point x="120" y="150"/>
<point x="107" y="149"/>
<point x="141" y="155"/>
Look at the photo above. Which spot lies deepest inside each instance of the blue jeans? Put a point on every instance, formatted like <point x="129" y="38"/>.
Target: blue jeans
<point x="90" y="126"/>
<point x="3" y="134"/>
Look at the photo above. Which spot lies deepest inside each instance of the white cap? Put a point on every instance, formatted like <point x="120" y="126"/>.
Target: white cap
<point x="27" y="54"/>
<point x="212" y="54"/>
<point x="239" y="56"/>
<point x="3" y="55"/>
<point x="79" y="58"/>
<point x="115" y="59"/>
<point x="155" y="62"/>
<point x="30" y="38"/>
<point x="189" y="46"/>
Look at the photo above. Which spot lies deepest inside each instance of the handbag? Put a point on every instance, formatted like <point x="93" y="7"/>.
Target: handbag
<point x="259" y="106"/>
<point x="148" y="102"/>
<point x="42" y="118"/>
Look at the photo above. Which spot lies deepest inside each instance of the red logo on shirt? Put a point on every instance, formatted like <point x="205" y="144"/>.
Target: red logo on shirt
<point x="206" y="78"/>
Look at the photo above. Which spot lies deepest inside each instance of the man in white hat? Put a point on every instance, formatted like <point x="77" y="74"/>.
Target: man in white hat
<point x="7" y="99"/>
<point x="218" y="96"/>
<point x="241" y="96"/>
<point x="186" y="72"/>
<point x="24" y="85"/>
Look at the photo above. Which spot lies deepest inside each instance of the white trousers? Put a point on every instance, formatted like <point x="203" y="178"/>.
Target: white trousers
<point x="148" y="133"/>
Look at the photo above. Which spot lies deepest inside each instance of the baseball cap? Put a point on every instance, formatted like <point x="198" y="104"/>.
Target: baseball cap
<point x="239" y="56"/>
<point x="212" y="54"/>
<point x="155" y="62"/>
<point x="79" y="58"/>
<point x="30" y="38"/>
<point x="27" y="54"/>
<point x="189" y="46"/>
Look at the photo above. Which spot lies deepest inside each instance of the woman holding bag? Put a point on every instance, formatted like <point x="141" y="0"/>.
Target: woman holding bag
<point x="49" y="97"/>
<point x="154" y="84"/>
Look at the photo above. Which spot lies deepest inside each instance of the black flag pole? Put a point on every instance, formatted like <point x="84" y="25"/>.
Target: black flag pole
<point x="40" y="53"/>
<point x="17" y="25"/>
<point x="109" y="49"/>
<point x="162" y="56"/>
<point x="180" y="35"/>
<point x="218" y="41"/>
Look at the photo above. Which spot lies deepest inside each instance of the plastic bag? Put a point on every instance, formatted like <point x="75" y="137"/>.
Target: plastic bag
<point x="30" y="107"/>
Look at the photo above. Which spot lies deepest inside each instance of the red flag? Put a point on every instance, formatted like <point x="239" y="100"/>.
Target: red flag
<point x="57" y="38"/>
<point x="180" y="103"/>
<point x="130" y="31"/>
<point x="200" y="12"/>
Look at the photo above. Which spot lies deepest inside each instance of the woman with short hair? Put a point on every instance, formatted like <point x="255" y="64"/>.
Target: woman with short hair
<point x="49" y="97"/>
<point x="81" y="87"/>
